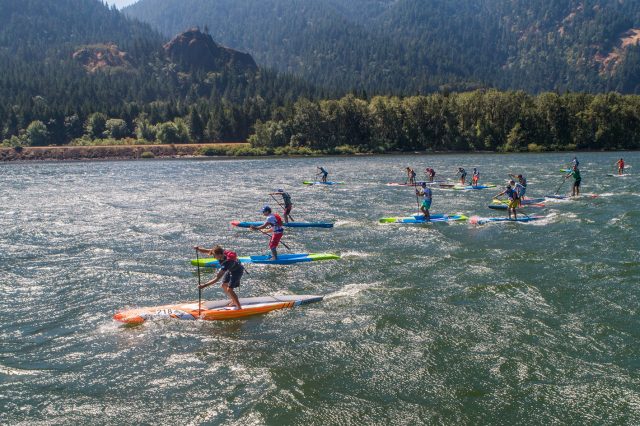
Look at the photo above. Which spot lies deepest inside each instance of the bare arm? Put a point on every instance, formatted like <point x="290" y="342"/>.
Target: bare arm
<point x="203" y="250"/>
<point x="264" y="225"/>
<point x="213" y="281"/>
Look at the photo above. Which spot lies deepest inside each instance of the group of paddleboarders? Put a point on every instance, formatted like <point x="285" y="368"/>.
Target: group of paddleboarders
<point x="231" y="269"/>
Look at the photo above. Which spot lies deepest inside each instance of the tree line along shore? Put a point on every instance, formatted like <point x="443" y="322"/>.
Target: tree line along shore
<point x="482" y="120"/>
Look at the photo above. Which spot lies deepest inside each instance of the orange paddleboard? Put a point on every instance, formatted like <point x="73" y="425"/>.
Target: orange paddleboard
<point x="214" y="310"/>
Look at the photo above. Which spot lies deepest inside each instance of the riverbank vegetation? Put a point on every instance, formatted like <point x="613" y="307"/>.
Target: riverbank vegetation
<point x="474" y="121"/>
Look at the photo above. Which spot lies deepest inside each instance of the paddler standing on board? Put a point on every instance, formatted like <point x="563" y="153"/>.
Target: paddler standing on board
<point x="324" y="174"/>
<point x="575" y="162"/>
<point x="411" y="176"/>
<point x="511" y="193"/>
<point x="475" y="177"/>
<point x="427" y="196"/>
<point x="521" y="186"/>
<point x="231" y="271"/>
<point x="430" y="173"/>
<point x="288" y="205"/>
<point x="274" y="221"/>
<point x="577" y="179"/>
<point x="620" y="164"/>
<point x="463" y="175"/>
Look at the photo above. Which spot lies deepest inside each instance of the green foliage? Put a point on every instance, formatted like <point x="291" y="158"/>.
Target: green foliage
<point x="37" y="134"/>
<point x="480" y="120"/>
<point x="96" y="125"/>
<point x="116" y="128"/>
<point x="173" y="132"/>
<point x="147" y="154"/>
<point x="144" y="130"/>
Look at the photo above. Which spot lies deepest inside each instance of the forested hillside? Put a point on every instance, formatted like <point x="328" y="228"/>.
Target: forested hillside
<point x="410" y="46"/>
<point x="76" y="67"/>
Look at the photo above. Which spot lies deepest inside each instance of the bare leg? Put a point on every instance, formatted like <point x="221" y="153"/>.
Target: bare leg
<point x="232" y="295"/>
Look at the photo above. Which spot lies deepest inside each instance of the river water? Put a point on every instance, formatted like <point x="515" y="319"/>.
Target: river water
<point x="441" y="324"/>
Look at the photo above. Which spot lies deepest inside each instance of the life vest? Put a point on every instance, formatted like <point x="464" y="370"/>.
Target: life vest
<point x="230" y="255"/>
<point x="279" y="221"/>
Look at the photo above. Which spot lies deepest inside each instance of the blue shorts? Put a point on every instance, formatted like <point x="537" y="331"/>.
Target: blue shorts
<point x="233" y="278"/>
<point x="426" y="204"/>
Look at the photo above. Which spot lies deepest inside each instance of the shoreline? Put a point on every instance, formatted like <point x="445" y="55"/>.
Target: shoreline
<point x="108" y="152"/>
<point x="149" y="152"/>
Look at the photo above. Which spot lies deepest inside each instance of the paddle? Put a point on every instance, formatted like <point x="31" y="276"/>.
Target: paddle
<point x="560" y="186"/>
<point x="199" y="289"/>
<point x="267" y="234"/>
<point x="283" y="208"/>
<point x="415" y="189"/>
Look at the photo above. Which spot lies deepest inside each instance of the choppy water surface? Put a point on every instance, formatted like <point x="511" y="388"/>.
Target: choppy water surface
<point x="447" y="324"/>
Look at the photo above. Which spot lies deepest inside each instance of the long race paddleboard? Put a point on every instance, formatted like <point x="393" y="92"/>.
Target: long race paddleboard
<point x="289" y="224"/>
<point x="419" y="219"/>
<point x="308" y="182"/>
<point x="526" y="201"/>
<point x="214" y="310"/>
<point x="283" y="259"/>
<point x="506" y="207"/>
<point x="617" y="175"/>
<point x="482" y="220"/>
<point x="473" y="187"/>
<point x="418" y="183"/>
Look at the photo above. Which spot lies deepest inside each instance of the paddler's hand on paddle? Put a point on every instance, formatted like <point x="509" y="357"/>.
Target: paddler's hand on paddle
<point x="207" y="284"/>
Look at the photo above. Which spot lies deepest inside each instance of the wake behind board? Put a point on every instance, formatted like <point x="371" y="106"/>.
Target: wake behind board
<point x="286" y="224"/>
<point x="214" y="310"/>
<point x="283" y="259"/>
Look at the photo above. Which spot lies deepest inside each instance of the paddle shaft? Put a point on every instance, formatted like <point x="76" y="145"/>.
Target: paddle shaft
<point x="267" y="234"/>
<point x="199" y="289"/>
<point x="560" y="186"/>
<point x="281" y="205"/>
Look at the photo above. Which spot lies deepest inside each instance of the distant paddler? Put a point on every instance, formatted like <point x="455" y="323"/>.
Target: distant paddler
<point x="288" y="205"/>
<point x="577" y="179"/>
<point x="620" y="164"/>
<point x="430" y="173"/>
<point x="463" y="175"/>
<point x="231" y="271"/>
<point x="475" y="177"/>
<point x="322" y="172"/>
<point x="575" y="162"/>
<point x="411" y="176"/>
<point x="427" y="196"/>
<point x="274" y="221"/>
<point x="511" y="193"/>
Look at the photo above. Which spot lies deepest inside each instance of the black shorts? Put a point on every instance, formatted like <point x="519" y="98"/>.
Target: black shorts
<point x="233" y="278"/>
<point x="577" y="183"/>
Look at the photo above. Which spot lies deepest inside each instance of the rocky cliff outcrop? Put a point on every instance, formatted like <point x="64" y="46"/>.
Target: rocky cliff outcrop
<point x="197" y="50"/>
<point x="102" y="57"/>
